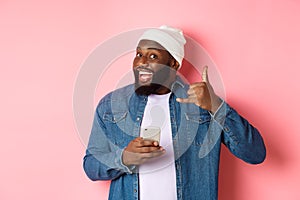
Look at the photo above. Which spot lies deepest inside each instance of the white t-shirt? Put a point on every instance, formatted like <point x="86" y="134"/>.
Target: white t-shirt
<point x="157" y="177"/>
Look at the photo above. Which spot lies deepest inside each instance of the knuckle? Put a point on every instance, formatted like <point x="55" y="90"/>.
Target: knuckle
<point x="136" y="140"/>
<point x="147" y="149"/>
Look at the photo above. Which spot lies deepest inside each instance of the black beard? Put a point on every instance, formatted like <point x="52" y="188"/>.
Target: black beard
<point x="153" y="88"/>
<point x="159" y="82"/>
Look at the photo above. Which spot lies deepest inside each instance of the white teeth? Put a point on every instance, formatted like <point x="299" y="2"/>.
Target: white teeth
<point x="143" y="72"/>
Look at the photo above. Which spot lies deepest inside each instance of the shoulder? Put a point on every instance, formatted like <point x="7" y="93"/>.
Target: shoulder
<point x="119" y="96"/>
<point x="123" y="92"/>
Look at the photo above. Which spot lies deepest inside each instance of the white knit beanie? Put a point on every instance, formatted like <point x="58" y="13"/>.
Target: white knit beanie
<point x="172" y="39"/>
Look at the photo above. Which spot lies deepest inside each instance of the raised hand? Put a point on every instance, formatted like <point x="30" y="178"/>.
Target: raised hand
<point x="202" y="94"/>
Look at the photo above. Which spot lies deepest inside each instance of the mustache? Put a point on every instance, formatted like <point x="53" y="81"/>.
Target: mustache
<point x="143" y="68"/>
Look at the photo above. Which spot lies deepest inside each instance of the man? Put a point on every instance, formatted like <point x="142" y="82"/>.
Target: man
<point x="193" y="122"/>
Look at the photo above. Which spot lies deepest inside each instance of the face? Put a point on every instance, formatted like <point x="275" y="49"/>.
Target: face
<point x="154" y="68"/>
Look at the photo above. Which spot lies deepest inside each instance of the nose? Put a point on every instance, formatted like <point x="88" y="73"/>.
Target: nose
<point x="143" y="61"/>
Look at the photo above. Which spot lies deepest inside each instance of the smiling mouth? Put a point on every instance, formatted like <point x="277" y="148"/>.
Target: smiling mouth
<point x="145" y="75"/>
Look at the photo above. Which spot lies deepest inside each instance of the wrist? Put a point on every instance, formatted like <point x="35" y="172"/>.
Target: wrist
<point x="130" y="168"/>
<point x="216" y="102"/>
<point x="124" y="158"/>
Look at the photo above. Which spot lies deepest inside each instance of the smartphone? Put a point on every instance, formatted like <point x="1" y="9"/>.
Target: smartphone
<point x="151" y="133"/>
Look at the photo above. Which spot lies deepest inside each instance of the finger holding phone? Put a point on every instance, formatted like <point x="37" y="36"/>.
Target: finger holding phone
<point x="141" y="149"/>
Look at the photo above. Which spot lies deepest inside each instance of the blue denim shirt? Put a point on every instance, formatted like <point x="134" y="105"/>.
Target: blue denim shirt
<point x="197" y="137"/>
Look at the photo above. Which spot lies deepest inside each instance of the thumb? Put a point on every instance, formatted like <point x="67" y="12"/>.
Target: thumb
<point x="205" y="74"/>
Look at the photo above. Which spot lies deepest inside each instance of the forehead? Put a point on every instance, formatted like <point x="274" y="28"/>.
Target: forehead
<point x="150" y="44"/>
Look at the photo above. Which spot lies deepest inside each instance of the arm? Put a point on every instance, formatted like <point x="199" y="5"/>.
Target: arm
<point x="106" y="161"/>
<point x="241" y="138"/>
<point x="103" y="159"/>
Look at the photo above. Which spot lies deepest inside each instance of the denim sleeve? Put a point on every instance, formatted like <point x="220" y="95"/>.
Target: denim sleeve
<point x="103" y="159"/>
<point x="242" y="139"/>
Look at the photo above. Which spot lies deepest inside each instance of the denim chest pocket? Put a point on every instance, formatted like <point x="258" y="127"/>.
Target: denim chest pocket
<point x="198" y="124"/>
<point x="115" y="124"/>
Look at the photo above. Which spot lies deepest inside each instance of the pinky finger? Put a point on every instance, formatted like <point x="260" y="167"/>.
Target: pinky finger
<point x="182" y="100"/>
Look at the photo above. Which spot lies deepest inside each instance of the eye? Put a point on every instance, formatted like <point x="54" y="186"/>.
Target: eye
<point x="138" y="54"/>
<point x="153" y="56"/>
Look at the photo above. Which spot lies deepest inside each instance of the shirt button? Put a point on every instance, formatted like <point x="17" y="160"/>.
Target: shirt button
<point x="138" y="119"/>
<point x="134" y="190"/>
<point x="226" y="129"/>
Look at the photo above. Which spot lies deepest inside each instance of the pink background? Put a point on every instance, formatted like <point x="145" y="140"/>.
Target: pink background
<point x="255" y="45"/>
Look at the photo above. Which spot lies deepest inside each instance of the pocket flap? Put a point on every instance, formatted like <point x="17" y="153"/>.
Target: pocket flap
<point x="197" y="117"/>
<point x="114" y="117"/>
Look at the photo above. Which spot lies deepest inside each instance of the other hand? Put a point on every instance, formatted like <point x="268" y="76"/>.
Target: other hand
<point x="202" y="94"/>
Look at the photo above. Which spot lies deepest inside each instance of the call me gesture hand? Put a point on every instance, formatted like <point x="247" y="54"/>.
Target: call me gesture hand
<point x="202" y="94"/>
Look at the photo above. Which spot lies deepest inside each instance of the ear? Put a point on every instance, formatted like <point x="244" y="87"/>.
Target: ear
<point x="174" y="64"/>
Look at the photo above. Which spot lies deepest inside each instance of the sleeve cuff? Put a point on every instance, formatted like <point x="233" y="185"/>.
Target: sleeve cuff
<point x="120" y="164"/>
<point x="221" y="113"/>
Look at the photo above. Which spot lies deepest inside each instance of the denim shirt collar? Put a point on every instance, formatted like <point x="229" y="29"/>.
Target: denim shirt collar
<point x="177" y="83"/>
